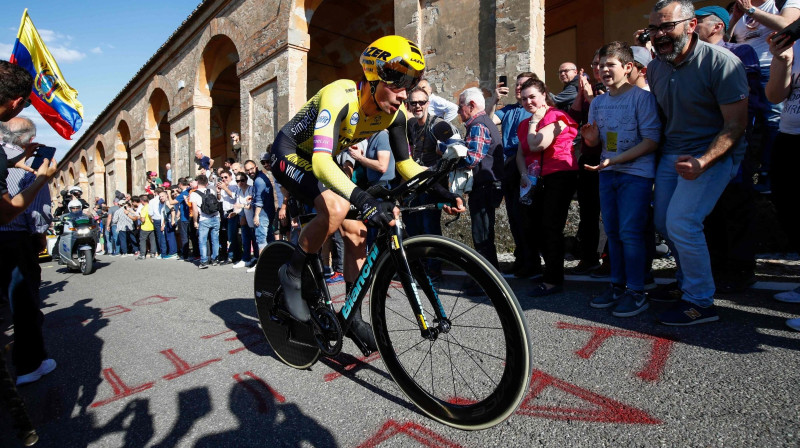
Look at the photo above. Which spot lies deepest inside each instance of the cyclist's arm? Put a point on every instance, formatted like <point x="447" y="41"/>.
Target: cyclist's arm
<point x="398" y="141"/>
<point x="326" y="140"/>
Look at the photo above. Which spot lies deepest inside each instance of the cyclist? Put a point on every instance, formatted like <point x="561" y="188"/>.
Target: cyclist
<point x="302" y="158"/>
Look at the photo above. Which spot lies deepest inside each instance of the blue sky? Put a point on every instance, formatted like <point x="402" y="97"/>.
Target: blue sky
<point x="99" y="46"/>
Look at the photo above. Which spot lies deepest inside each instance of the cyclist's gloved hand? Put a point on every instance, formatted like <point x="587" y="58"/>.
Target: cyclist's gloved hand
<point x="373" y="212"/>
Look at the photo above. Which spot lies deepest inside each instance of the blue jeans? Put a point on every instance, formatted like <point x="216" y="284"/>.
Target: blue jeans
<point x="264" y="234"/>
<point x="680" y="207"/>
<point x="112" y="243"/>
<point x="122" y="241"/>
<point x="771" y="116"/>
<point x="208" y="227"/>
<point x="233" y="238"/>
<point x="160" y="237"/>
<point x="169" y="236"/>
<point x="625" y="204"/>
<point x="249" y="242"/>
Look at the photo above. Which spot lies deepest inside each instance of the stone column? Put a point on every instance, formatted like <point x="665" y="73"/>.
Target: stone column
<point x="519" y="37"/>
<point x="296" y="81"/>
<point x="100" y="181"/>
<point x="121" y="171"/>
<point x="201" y="120"/>
<point x="150" y="155"/>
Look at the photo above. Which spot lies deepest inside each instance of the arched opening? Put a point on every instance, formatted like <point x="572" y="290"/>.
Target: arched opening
<point x="123" y="173"/>
<point x="339" y="37"/>
<point x="157" y="121"/>
<point x="218" y="81"/>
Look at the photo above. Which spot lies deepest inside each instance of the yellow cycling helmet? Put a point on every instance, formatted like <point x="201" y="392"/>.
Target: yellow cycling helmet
<point x="394" y="60"/>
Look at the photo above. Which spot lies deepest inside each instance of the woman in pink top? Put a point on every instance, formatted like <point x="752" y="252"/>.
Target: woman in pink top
<point x="545" y="146"/>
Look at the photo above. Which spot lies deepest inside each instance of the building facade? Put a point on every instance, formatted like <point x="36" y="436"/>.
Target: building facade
<point x="247" y="66"/>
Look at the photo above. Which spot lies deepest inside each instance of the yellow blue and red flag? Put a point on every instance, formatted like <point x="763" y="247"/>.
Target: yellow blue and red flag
<point x="55" y="100"/>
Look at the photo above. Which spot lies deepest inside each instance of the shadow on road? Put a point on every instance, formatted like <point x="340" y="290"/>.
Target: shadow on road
<point x="265" y="420"/>
<point x="240" y="316"/>
<point x="739" y="330"/>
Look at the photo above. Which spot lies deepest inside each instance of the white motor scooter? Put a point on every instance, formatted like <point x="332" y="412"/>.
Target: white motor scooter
<point x="77" y="242"/>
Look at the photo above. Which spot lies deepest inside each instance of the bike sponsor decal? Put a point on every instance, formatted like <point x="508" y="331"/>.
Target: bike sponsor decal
<point x="365" y="271"/>
<point x="354" y="118"/>
<point x="323" y="119"/>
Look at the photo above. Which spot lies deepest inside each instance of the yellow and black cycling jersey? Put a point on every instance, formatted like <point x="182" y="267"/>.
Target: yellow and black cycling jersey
<point x="333" y="120"/>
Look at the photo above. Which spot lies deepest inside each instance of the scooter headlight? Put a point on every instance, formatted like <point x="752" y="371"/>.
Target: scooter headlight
<point x="83" y="232"/>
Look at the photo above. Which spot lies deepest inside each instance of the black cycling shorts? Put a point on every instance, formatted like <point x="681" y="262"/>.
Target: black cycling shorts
<point x="293" y="170"/>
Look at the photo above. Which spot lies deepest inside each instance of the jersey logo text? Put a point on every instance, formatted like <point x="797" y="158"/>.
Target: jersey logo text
<point x="323" y="119"/>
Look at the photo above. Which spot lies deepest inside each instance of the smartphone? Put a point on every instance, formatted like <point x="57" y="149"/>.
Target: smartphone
<point x="42" y="152"/>
<point x="503" y="81"/>
<point x="793" y="31"/>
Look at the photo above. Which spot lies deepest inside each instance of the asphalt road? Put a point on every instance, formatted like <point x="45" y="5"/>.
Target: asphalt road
<point x="159" y="353"/>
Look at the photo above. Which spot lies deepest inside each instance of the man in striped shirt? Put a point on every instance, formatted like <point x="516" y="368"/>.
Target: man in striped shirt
<point x="20" y="274"/>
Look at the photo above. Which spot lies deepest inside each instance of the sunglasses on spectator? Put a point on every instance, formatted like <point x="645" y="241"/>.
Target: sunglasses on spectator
<point x="416" y="103"/>
<point x="567" y="70"/>
<point x="665" y="27"/>
<point x="26" y="103"/>
<point x="241" y="179"/>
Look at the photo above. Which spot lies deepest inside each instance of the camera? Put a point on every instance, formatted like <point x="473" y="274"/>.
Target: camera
<point x="644" y="37"/>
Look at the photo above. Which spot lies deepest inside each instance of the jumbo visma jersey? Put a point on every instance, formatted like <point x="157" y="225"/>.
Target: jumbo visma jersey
<point x="332" y="121"/>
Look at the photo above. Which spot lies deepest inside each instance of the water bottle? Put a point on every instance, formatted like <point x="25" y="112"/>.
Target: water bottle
<point x="534" y="170"/>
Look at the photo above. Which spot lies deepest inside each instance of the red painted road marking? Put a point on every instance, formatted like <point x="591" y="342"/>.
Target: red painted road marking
<point x="360" y="363"/>
<point x="121" y="390"/>
<point x="113" y="311"/>
<point x="262" y="402"/>
<point x="659" y="353"/>
<point x="421" y="434"/>
<point x="182" y="367"/>
<point x="153" y="300"/>
<point x="604" y="409"/>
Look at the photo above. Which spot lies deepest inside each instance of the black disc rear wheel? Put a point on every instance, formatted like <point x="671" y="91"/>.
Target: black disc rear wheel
<point x="292" y="341"/>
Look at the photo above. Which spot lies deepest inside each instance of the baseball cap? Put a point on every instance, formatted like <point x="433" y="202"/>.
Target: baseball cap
<point x="718" y="11"/>
<point x="642" y="55"/>
<point x="264" y="156"/>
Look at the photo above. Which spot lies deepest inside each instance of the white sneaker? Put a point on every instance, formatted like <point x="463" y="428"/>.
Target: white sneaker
<point x="238" y="265"/>
<point x="47" y="366"/>
<point x="794" y="324"/>
<point x="253" y="269"/>
<point x="792" y="296"/>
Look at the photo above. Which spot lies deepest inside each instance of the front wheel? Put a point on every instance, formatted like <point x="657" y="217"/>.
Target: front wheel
<point x="476" y="372"/>
<point x="87" y="261"/>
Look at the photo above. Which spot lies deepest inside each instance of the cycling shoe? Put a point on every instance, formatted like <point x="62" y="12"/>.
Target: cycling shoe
<point x="295" y="304"/>
<point x="363" y="331"/>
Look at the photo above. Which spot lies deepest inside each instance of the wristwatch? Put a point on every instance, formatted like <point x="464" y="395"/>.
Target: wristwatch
<point x="750" y="11"/>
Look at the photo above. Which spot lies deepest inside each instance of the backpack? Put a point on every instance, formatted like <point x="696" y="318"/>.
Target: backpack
<point x="210" y="204"/>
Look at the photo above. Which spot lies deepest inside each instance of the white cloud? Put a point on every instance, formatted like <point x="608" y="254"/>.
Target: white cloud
<point x="96" y="50"/>
<point x="66" y="55"/>
<point x="5" y="51"/>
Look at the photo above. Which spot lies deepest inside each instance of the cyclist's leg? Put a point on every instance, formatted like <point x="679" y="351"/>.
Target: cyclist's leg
<point x="354" y="234"/>
<point x="331" y="209"/>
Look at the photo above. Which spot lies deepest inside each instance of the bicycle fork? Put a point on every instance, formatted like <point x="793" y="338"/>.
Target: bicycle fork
<point x="406" y="274"/>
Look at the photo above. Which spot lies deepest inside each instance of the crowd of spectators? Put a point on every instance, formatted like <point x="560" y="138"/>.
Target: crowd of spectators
<point x="673" y="134"/>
